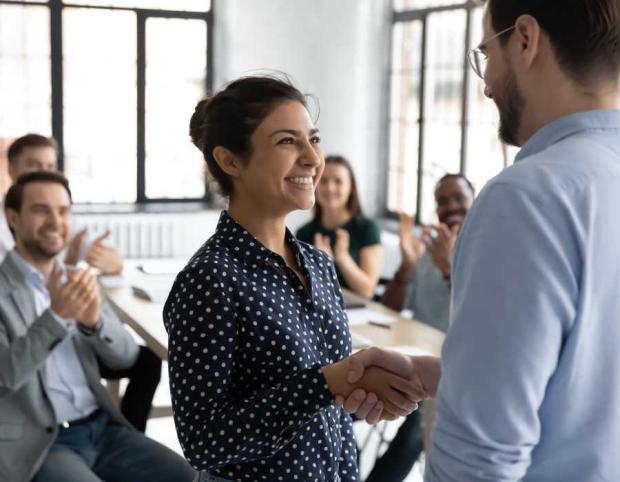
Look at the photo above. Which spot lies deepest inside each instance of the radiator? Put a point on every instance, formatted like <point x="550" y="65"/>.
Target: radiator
<point x="151" y="235"/>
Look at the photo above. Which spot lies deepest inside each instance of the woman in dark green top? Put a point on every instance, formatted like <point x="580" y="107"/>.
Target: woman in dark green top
<point x="340" y="229"/>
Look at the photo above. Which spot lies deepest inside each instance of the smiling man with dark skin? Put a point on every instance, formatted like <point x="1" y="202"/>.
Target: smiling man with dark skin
<point x="422" y="285"/>
<point x="422" y="282"/>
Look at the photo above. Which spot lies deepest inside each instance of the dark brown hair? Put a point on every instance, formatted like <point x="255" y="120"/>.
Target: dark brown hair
<point x="585" y="34"/>
<point x="230" y="117"/>
<point x="457" y="175"/>
<point x="15" y="195"/>
<point x="353" y="203"/>
<point x="30" y="140"/>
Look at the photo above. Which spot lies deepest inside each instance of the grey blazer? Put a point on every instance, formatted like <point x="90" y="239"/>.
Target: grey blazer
<point x="28" y="425"/>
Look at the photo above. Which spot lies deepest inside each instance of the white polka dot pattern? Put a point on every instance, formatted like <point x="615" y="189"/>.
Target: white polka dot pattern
<point x="246" y="343"/>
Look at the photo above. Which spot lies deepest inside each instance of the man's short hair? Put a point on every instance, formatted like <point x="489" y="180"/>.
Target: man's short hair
<point x="457" y="175"/>
<point x="30" y="140"/>
<point x="585" y="34"/>
<point x="15" y="196"/>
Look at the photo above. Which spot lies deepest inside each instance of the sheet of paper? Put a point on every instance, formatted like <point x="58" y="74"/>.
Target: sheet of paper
<point x="113" y="281"/>
<point x="361" y="316"/>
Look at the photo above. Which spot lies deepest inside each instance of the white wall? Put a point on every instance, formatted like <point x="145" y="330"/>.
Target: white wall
<point x="334" y="49"/>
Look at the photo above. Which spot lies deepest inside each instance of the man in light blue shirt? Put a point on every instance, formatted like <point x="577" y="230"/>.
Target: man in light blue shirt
<point x="530" y="369"/>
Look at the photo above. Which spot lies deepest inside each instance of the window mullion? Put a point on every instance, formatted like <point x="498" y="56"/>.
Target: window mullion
<point x="421" y="121"/>
<point x="140" y="107"/>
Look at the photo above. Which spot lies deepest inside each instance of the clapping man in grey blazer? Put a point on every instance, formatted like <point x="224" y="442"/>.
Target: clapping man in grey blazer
<point x="57" y="422"/>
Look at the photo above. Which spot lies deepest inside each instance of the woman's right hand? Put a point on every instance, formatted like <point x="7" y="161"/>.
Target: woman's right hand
<point x="399" y="396"/>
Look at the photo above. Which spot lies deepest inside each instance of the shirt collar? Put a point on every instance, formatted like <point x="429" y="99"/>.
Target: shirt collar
<point x="246" y="247"/>
<point x="602" y="119"/>
<point x="33" y="276"/>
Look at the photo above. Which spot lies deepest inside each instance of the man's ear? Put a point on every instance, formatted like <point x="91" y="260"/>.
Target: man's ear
<point x="12" y="171"/>
<point x="228" y="162"/>
<point x="11" y="217"/>
<point x="528" y="36"/>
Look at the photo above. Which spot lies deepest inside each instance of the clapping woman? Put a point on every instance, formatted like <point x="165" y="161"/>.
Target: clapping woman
<point x="340" y="228"/>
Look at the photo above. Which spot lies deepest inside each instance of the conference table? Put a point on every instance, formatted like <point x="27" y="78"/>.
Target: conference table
<point x="138" y="300"/>
<point x="139" y="295"/>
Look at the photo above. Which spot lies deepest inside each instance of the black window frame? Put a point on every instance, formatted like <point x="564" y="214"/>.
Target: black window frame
<point x="422" y="15"/>
<point x="56" y="34"/>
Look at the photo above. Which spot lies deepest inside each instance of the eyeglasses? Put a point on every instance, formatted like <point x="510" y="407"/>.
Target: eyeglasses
<point x="478" y="57"/>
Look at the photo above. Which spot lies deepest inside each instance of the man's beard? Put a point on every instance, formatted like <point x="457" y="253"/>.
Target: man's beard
<point x="445" y="217"/>
<point x="510" y="110"/>
<point x="40" y="252"/>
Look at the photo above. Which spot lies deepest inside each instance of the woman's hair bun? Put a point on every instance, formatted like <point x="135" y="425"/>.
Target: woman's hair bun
<point x="198" y="122"/>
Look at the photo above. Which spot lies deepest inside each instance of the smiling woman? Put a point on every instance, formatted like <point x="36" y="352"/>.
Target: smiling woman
<point x="340" y="229"/>
<point x="258" y="336"/>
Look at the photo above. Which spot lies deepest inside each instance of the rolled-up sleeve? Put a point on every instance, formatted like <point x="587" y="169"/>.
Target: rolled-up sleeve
<point x="515" y="290"/>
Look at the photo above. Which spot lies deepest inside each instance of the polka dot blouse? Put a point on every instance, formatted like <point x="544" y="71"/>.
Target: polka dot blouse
<point x="246" y="343"/>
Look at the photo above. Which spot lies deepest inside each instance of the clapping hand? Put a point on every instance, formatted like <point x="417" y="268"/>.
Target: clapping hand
<point x="77" y="298"/>
<point x="341" y="246"/>
<point x="441" y="246"/>
<point x="322" y="242"/>
<point x="411" y="247"/>
<point x="105" y="258"/>
<point x="98" y="255"/>
<point x="72" y="256"/>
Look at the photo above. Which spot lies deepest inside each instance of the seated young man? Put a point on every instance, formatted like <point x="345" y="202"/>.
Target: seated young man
<point x="34" y="152"/>
<point x="56" y="418"/>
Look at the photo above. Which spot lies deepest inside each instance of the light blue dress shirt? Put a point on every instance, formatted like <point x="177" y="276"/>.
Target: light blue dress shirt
<point x="530" y="388"/>
<point x="66" y="382"/>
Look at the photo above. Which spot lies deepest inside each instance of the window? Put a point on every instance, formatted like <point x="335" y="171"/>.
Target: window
<point x="115" y="81"/>
<point x="174" y="84"/>
<point x="25" y="92"/>
<point x="186" y="5"/>
<point x="100" y="104"/>
<point x="443" y="78"/>
<point x="486" y="155"/>
<point x="25" y="85"/>
<point x="400" y="5"/>
<point x="405" y="112"/>
<point x="440" y="120"/>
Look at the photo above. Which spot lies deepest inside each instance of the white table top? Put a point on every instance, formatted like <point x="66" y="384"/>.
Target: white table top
<point x="388" y="328"/>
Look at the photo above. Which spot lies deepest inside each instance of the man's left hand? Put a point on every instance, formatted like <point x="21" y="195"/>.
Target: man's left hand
<point x="441" y="247"/>
<point x="106" y="258"/>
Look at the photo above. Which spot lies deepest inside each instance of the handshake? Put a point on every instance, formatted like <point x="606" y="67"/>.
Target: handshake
<point x="377" y="384"/>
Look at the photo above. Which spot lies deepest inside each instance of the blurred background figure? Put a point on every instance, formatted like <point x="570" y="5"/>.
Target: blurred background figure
<point x="422" y="286"/>
<point x="34" y="152"/>
<point x="340" y="228"/>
